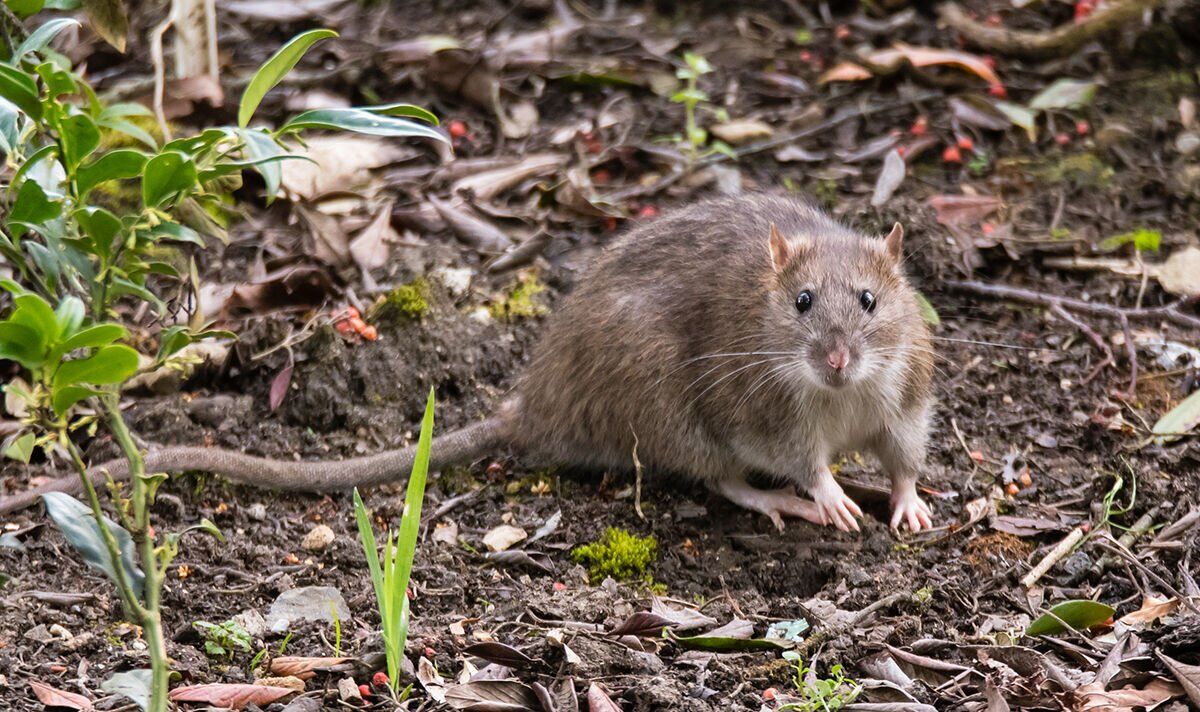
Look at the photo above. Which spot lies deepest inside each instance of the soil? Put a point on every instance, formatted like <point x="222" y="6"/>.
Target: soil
<point x="1013" y="393"/>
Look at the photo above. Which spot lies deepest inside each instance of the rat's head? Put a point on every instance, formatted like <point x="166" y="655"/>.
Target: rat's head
<point x="841" y="303"/>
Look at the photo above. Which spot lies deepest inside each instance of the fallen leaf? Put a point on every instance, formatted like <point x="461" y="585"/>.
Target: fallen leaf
<point x="329" y="241"/>
<point x="519" y="120"/>
<point x="430" y="680"/>
<point x="1064" y="94"/>
<point x="889" y="179"/>
<point x="1179" y="420"/>
<point x="845" y="72"/>
<point x="500" y="654"/>
<point x="956" y="210"/>
<point x="1180" y="274"/>
<point x="493" y="696"/>
<point x="371" y="246"/>
<point x="739" y="131"/>
<point x="794" y="153"/>
<point x="732" y="637"/>
<point x="1153" y="694"/>
<point x="305" y="668"/>
<point x="1020" y="117"/>
<point x="54" y="697"/>
<point x="486" y="185"/>
<point x="889" y="60"/>
<point x="979" y="111"/>
<point x="1187" y="675"/>
<point x="230" y="695"/>
<point x="419" y="49"/>
<point x="473" y="230"/>
<point x="683" y="617"/>
<point x="291" y="287"/>
<point x="279" y="387"/>
<point x="1080" y="615"/>
<point x="599" y="701"/>
<point x="548" y="527"/>
<point x="503" y="537"/>
<point x="642" y="624"/>
<point x="281" y="11"/>
<point x="337" y="163"/>
<point x="1152" y="609"/>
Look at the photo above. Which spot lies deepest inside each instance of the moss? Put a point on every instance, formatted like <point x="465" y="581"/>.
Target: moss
<point x="521" y="301"/>
<point x="619" y="554"/>
<point x="404" y="303"/>
<point x="826" y="193"/>
<point x="458" y="480"/>
<point x="1082" y="170"/>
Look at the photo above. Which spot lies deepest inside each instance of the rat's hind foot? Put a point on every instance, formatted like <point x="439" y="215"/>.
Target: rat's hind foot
<point x="907" y="506"/>
<point x="776" y="504"/>
<point x="833" y="505"/>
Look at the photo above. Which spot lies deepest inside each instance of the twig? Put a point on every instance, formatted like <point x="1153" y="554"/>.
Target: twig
<point x="1172" y="312"/>
<point x="637" y="484"/>
<point x="1061" y="41"/>
<point x="1056" y="554"/>
<point x="1131" y="352"/>
<point x="1091" y="334"/>
<point x="1108" y="543"/>
<point x="160" y="70"/>
<point x="966" y="449"/>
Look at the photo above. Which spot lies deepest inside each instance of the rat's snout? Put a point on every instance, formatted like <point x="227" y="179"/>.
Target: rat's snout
<point x="838" y="358"/>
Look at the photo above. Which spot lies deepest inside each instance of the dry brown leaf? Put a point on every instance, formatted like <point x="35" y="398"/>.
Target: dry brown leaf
<point x="340" y="162"/>
<point x="503" y="537"/>
<point x="1157" y="691"/>
<point x="599" y="701"/>
<point x="739" y="131"/>
<point x="889" y="60"/>
<point x="1152" y="609"/>
<point x="304" y="668"/>
<point x="231" y="695"/>
<point x="329" y="241"/>
<point x="845" y="72"/>
<point x="488" y="184"/>
<point x="54" y="697"/>
<point x="371" y="246"/>
<point x="1180" y="274"/>
<point x="1188" y="676"/>
<point x="890" y="178"/>
<point x="473" y="230"/>
<point x="963" y="209"/>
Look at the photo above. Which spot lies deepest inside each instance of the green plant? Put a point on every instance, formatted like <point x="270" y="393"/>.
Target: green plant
<point x="1142" y="239"/>
<point x="619" y="554"/>
<point x="222" y="640"/>
<point x="391" y="576"/>
<point x="820" y="694"/>
<point x="337" y="630"/>
<point x="77" y="253"/>
<point x="695" y="137"/>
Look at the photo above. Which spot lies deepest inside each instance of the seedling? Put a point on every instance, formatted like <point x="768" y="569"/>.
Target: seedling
<point x="820" y="694"/>
<point x="695" y="137"/>
<point x="222" y="640"/>
<point x="390" y="577"/>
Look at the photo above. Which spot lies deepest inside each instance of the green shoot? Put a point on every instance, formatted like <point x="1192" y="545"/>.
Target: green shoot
<point x="693" y="97"/>
<point x="390" y="577"/>
<point x="337" y="630"/>
<point x="820" y="694"/>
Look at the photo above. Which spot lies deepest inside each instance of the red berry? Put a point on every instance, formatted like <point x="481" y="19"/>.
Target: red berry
<point x="992" y="20"/>
<point x="648" y="211"/>
<point x="344" y="327"/>
<point x="364" y="690"/>
<point x="841" y="32"/>
<point x="952" y="155"/>
<point x="989" y="60"/>
<point x="769" y="694"/>
<point x="1083" y="9"/>
<point x="998" y="91"/>
<point x="901" y="150"/>
<point x="430" y="652"/>
<point x="601" y="176"/>
<point x="806" y="56"/>
<point x="1082" y="128"/>
<point x="965" y="143"/>
<point x="1062" y="138"/>
<point x="379" y="679"/>
<point x="352" y="313"/>
<point x="370" y="333"/>
<point x="920" y="127"/>
<point x="560" y="586"/>
<point x="610" y="224"/>
<point x="456" y="128"/>
<point x="988" y="228"/>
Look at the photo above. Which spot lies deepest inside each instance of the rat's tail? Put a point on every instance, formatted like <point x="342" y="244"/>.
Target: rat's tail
<point x="457" y="447"/>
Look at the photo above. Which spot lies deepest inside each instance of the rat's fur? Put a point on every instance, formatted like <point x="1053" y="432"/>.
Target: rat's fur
<point x="684" y="338"/>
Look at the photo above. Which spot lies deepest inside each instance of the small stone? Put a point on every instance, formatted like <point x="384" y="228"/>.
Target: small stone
<point x="257" y="511"/>
<point x="39" y="634"/>
<point x="318" y="538"/>
<point x="303" y="704"/>
<point x="445" y="533"/>
<point x="290" y="682"/>
<point x="308" y="603"/>
<point x="252" y="622"/>
<point x="457" y="280"/>
<point x="61" y="633"/>
<point x="348" y="691"/>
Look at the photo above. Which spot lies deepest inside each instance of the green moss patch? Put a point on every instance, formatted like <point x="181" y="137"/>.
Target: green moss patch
<point x="619" y="554"/>
<point x="407" y="302"/>
<point x="522" y="300"/>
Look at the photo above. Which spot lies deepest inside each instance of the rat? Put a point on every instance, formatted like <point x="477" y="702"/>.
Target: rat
<point x="737" y="336"/>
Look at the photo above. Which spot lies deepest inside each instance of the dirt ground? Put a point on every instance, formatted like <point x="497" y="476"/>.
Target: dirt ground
<point x="1026" y="441"/>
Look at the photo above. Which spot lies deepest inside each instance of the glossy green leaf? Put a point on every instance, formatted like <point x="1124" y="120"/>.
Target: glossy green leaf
<point x="121" y="164"/>
<point x="93" y="336"/>
<point x="1080" y="615"/>
<point x="31" y="207"/>
<point x="22" y="344"/>
<point x="1064" y="94"/>
<point x="67" y="396"/>
<point x="20" y="89"/>
<point x="10" y="129"/>
<point x="230" y="167"/>
<point x="110" y="364"/>
<point x="176" y="233"/>
<point x="1179" y="420"/>
<point x="361" y="121"/>
<point x="34" y="161"/>
<point x="58" y="81"/>
<point x="1143" y="239"/>
<point x="69" y="315"/>
<point x="124" y="109"/>
<point x="410" y="110"/>
<point x="166" y="175"/>
<point x="262" y="148"/>
<point x="21" y="447"/>
<point x="720" y="644"/>
<point x="1020" y="116"/>
<point x="74" y="519"/>
<point x="79" y="137"/>
<point x="109" y="20"/>
<point x="133" y="684"/>
<point x="33" y="312"/>
<point x="102" y="226"/>
<point x="115" y="123"/>
<point x="193" y="145"/>
<point x="275" y="69"/>
<point x="41" y="38"/>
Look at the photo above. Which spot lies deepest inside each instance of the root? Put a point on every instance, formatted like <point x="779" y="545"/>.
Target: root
<point x="1058" y="42"/>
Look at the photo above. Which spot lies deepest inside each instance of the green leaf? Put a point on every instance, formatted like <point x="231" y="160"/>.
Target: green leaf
<point x="35" y="313"/>
<point x="100" y="225"/>
<point x="25" y="8"/>
<point x="176" y="233"/>
<point x="10" y="130"/>
<point x="166" y="175"/>
<point x="21" y="89"/>
<point x="275" y="69"/>
<point x="31" y="207"/>
<point x="109" y="20"/>
<point x="1179" y="420"/>
<point x="21" y="344"/>
<point x="129" y="129"/>
<point x="1064" y="94"/>
<point x="1080" y="615"/>
<point x="1020" y="116"/>
<point x="366" y="534"/>
<point x="38" y="156"/>
<point x="58" y="81"/>
<point x="1143" y="240"/>
<point x="261" y="148"/>
<point x="79" y="137"/>
<point x="69" y="316"/>
<point x="21" y="448"/>
<point x="74" y="519"/>
<point x="123" y="109"/>
<point x="133" y="684"/>
<point x="64" y="398"/>
<point x="720" y="644"/>
<point x="361" y="121"/>
<point x="410" y="110"/>
<point x="226" y="168"/>
<point x="93" y="336"/>
<point x="41" y="38"/>
<point x="121" y="164"/>
<point x="928" y="313"/>
<point x="111" y="364"/>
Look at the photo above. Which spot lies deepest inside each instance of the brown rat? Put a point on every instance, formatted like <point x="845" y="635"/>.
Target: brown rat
<point x="741" y="335"/>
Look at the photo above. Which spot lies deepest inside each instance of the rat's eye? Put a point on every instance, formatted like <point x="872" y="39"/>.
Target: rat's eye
<point x="867" y="300"/>
<point x="804" y="301"/>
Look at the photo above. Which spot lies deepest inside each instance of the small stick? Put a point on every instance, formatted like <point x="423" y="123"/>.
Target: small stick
<point x="966" y="448"/>
<point x="637" y="484"/>
<point x="1056" y="554"/>
<point x="1172" y="311"/>
<point x="1091" y="334"/>
<point x="1107" y="542"/>
<point x="1131" y="352"/>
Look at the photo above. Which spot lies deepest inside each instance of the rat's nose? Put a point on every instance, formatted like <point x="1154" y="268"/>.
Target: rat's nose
<point x="838" y="359"/>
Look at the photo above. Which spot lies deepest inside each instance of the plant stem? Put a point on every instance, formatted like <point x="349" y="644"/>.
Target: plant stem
<point x="151" y="622"/>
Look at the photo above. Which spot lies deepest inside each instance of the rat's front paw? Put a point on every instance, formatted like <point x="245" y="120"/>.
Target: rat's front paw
<point x="907" y="506"/>
<point x="835" y="507"/>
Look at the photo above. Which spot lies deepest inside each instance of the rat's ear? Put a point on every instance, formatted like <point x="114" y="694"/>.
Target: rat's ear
<point x="781" y="249"/>
<point x="894" y="242"/>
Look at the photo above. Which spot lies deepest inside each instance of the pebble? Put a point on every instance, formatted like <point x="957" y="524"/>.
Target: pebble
<point x="290" y="682"/>
<point x="318" y="538"/>
<point x="257" y="511"/>
<point x="348" y="691"/>
<point x="308" y="603"/>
